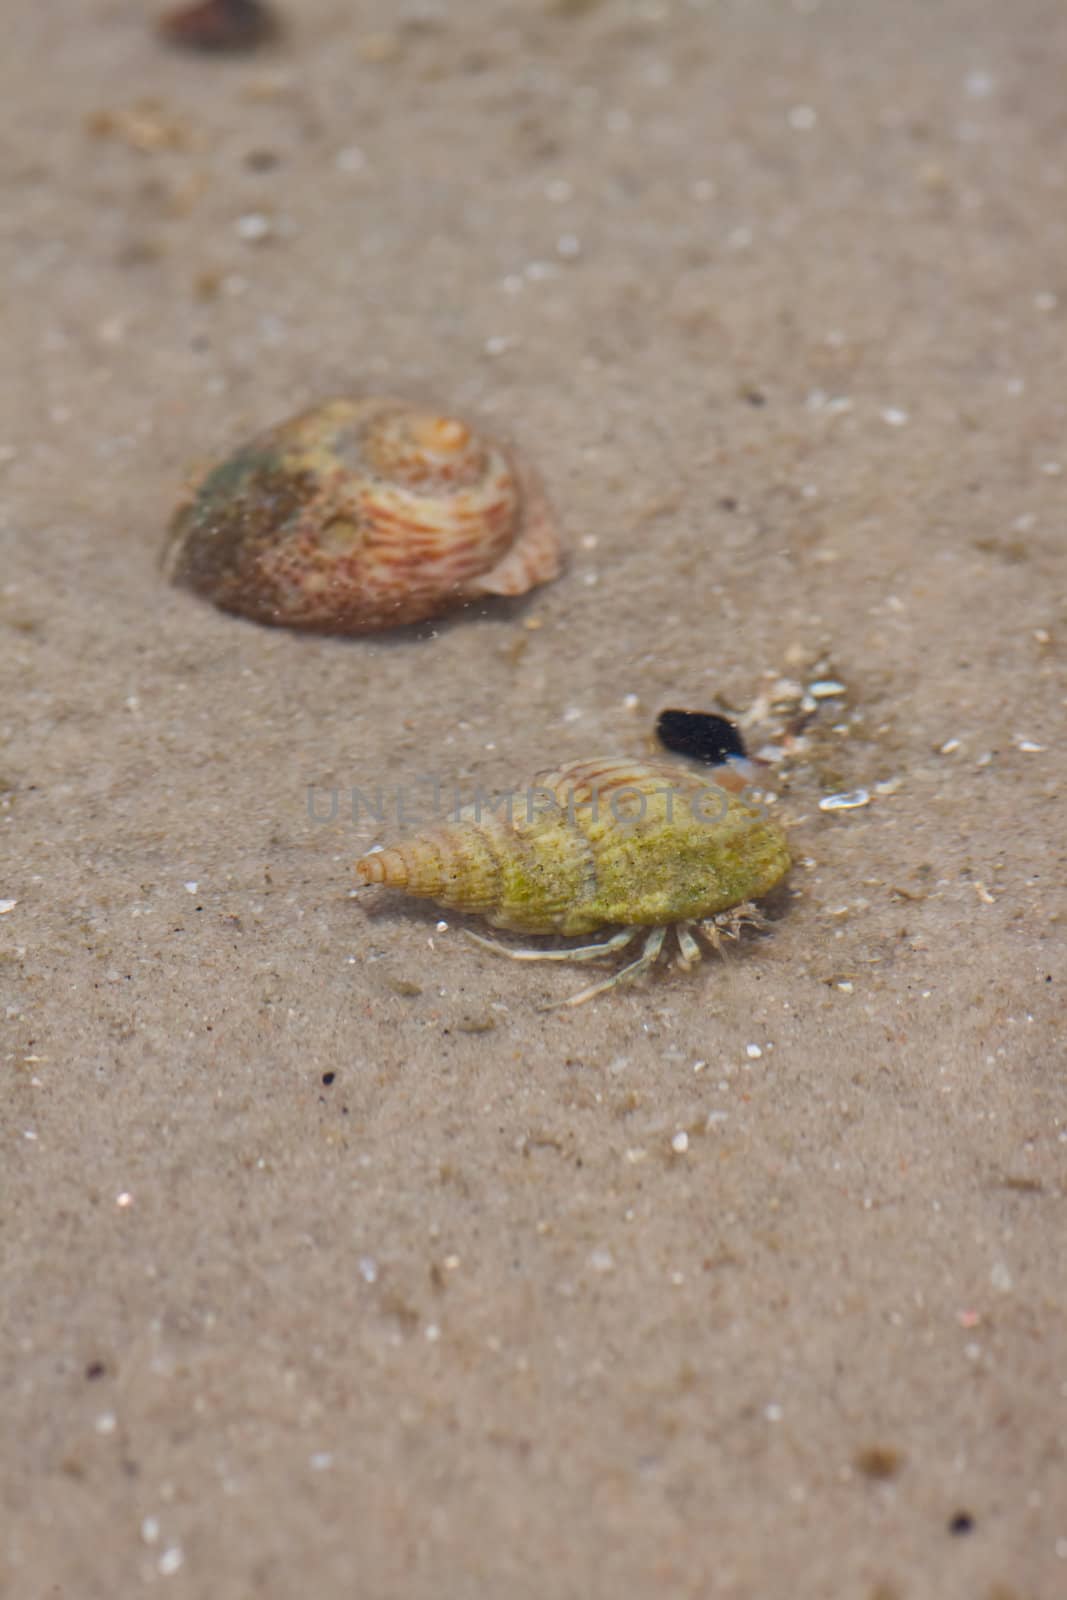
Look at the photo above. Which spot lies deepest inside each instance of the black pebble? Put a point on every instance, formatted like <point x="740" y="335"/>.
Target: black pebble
<point x="701" y="735"/>
<point x="962" y="1522"/>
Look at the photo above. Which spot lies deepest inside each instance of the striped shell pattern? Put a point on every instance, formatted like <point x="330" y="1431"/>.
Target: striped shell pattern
<point x="591" y="845"/>
<point x="359" y="515"/>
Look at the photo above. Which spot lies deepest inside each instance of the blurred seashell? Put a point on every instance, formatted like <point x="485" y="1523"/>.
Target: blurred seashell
<point x="360" y="515"/>
<point x="220" y="25"/>
<point x="593" y="845"/>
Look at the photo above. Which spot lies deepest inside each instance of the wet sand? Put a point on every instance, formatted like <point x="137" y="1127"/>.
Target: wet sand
<point x="330" y="1261"/>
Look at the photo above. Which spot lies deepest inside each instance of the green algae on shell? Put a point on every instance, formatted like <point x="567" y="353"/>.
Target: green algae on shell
<point x="597" y="844"/>
<point x="360" y="515"/>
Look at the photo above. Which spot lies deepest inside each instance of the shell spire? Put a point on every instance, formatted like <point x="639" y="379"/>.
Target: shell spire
<point x="461" y="865"/>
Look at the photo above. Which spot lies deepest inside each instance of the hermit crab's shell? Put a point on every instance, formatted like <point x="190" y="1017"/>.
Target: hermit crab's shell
<point x="360" y="515"/>
<point x="592" y="844"/>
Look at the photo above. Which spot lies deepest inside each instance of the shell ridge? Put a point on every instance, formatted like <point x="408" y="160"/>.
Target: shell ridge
<point x="583" y="861"/>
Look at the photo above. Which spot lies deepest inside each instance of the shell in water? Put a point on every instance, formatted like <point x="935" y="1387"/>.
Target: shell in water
<point x="360" y="515"/>
<point x="594" y="845"/>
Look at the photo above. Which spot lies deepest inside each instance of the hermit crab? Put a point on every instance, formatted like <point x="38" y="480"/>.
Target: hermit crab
<point x="596" y="845"/>
<point x="359" y="515"/>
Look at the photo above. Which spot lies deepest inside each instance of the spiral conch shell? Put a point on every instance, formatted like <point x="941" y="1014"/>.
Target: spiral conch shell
<point x="599" y="844"/>
<point x="360" y="515"/>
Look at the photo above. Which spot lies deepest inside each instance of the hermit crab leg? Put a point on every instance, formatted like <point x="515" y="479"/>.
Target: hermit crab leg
<point x="648" y="958"/>
<point x="689" y="951"/>
<point x="581" y="952"/>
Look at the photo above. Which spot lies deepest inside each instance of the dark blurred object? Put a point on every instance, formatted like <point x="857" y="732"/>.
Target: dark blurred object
<point x="701" y="735"/>
<point x="220" y="26"/>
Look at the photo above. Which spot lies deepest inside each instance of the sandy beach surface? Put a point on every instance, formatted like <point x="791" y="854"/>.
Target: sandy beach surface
<point x="333" y="1264"/>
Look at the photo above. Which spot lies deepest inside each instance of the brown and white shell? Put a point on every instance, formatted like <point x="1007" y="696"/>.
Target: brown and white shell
<point x="359" y="515"/>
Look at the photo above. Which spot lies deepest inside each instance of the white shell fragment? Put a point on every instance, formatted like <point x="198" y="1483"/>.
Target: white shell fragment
<point x="845" y="800"/>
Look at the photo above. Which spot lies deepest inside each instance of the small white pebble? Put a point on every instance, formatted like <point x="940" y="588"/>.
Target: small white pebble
<point x="124" y="1199"/>
<point x="601" y="1260"/>
<point x="753" y="1052"/>
<point x="191" y="887"/>
<point x="948" y="747"/>
<point x="698" y="1066"/>
<point x="498" y="343"/>
<point x="846" y="988"/>
<point x="568" y="244"/>
<point x="441" y="927"/>
<point x="106" y="1422"/>
<point x="680" y="1143"/>
<point x="826" y="689"/>
<point x="572" y="714"/>
<point x="350" y="159"/>
<point x="170" y="1561"/>
<point x="979" y="84"/>
<point x="630" y="702"/>
<point x="150" y="1530"/>
<point x="802" y="118"/>
<point x="321" y="1461"/>
<point x="368" y="1269"/>
<point x="773" y="1412"/>
<point x="1000" y="1278"/>
<point x="433" y="1332"/>
<point x="894" y="416"/>
<point x="254" y="226"/>
<point x="1028" y="745"/>
<point x="6" y="906"/>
